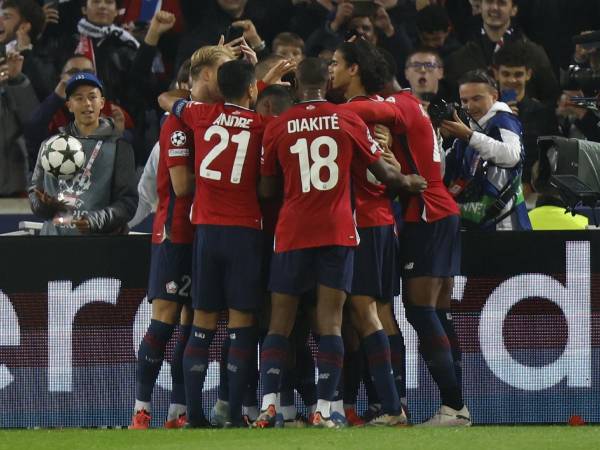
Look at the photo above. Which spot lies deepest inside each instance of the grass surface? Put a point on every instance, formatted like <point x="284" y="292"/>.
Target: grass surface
<point x="505" y="437"/>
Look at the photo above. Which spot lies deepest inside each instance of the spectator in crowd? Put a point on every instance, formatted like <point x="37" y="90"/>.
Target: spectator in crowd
<point x="484" y="166"/>
<point x="575" y="120"/>
<point x="21" y="24"/>
<point x="377" y="28"/>
<point x="424" y="71"/>
<point x="52" y="114"/>
<point x="561" y="20"/>
<point x="102" y="197"/>
<point x="433" y="26"/>
<point x="512" y="71"/>
<point x="230" y="18"/>
<point x="289" y="45"/>
<point x="498" y="30"/>
<point x="17" y="100"/>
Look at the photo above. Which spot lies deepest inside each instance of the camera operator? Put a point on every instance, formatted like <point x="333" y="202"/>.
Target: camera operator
<point x="484" y="166"/>
<point x="577" y="109"/>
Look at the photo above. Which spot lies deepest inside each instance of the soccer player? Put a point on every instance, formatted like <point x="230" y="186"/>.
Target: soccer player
<point x="172" y="236"/>
<point x="359" y="71"/>
<point x="228" y="239"/>
<point x="314" y="143"/>
<point x="430" y="257"/>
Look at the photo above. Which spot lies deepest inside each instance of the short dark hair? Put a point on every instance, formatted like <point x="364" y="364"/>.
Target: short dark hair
<point x="287" y="38"/>
<point x="372" y="67"/>
<point x="280" y="96"/>
<point x="312" y="72"/>
<point x="478" y="76"/>
<point x="512" y="54"/>
<point x="31" y="12"/>
<point x="426" y="51"/>
<point x="432" y="18"/>
<point x="234" y="78"/>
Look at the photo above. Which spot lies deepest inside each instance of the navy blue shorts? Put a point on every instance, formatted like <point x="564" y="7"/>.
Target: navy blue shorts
<point x="227" y="268"/>
<point x="376" y="264"/>
<point x="170" y="270"/>
<point x="431" y="249"/>
<point x="299" y="271"/>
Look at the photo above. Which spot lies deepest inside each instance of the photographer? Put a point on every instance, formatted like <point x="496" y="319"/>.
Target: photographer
<point x="484" y="166"/>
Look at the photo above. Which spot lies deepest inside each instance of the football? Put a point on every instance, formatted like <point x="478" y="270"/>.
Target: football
<point x="62" y="156"/>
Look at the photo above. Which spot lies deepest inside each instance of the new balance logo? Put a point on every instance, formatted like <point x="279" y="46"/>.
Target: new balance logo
<point x="232" y="336"/>
<point x="153" y="360"/>
<point x="232" y="368"/>
<point x="323" y="376"/>
<point x="198" y="368"/>
<point x="199" y="335"/>
<point x="273" y="371"/>
<point x="409" y="266"/>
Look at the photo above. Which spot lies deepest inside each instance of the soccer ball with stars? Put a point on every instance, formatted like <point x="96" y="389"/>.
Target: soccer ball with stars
<point x="62" y="156"/>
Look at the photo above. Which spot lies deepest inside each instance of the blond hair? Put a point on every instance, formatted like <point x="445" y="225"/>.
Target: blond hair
<point x="208" y="56"/>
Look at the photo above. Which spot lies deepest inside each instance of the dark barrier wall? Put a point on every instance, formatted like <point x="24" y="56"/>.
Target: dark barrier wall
<point x="72" y="314"/>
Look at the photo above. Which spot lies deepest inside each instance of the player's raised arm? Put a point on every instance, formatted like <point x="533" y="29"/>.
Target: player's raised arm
<point x="373" y="112"/>
<point x="167" y="100"/>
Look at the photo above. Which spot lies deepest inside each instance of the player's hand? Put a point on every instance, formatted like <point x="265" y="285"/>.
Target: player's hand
<point x="383" y="136"/>
<point x="82" y="224"/>
<point x="248" y="54"/>
<point x="343" y="14"/>
<point x="415" y="184"/>
<point x="118" y="117"/>
<point x="161" y="22"/>
<point x="457" y="128"/>
<point x="278" y="71"/>
<point x="250" y="34"/>
<point x="389" y="158"/>
<point x="51" y="201"/>
<point x="51" y="13"/>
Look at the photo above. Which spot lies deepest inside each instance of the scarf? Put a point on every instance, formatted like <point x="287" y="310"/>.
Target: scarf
<point x="88" y="29"/>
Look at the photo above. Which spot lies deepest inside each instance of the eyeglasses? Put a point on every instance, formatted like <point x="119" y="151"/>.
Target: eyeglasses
<point x="429" y="67"/>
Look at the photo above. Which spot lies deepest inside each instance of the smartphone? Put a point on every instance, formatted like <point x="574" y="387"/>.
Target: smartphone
<point x="233" y="33"/>
<point x="508" y="95"/>
<point x="364" y="7"/>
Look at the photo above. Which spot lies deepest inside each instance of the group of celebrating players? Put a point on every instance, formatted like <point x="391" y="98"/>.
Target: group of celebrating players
<point x="292" y="215"/>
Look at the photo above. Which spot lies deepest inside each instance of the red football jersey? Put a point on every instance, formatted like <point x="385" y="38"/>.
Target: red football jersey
<point x="313" y="144"/>
<point x="228" y="145"/>
<point x="172" y="219"/>
<point x="416" y="148"/>
<point x="372" y="205"/>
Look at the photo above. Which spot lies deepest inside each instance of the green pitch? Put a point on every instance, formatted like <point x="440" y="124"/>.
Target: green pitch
<point x="481" y="438"/>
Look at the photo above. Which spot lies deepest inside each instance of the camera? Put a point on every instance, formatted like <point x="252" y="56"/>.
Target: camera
<point x="440" y="110"/>
<point x="577" y="77"/>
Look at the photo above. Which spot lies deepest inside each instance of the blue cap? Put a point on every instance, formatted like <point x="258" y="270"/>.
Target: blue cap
<point x="82" y="79"/>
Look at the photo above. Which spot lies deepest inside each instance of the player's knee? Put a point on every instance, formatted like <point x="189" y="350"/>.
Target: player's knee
<point x="206" y="319"/>
<point x="165" y="311"/>
<point x="240" y="319"/>
<point x="387" y="319"/>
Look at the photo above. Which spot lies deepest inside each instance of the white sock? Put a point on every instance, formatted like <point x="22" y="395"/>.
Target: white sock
<point x="338" y="406"/>
<point x="324" y="407"/>
<point x="139" y="405"/>
<point x="268" y="399"/>
<point x="176" y="410"/>
<point x="250" y="411"/>
<point x="288" y="412"/>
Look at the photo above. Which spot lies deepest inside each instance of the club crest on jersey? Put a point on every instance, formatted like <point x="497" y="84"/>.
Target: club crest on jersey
<point x="171" y="287"/>
<point x="178" y="138"/>
<point x="311" y="107"/>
